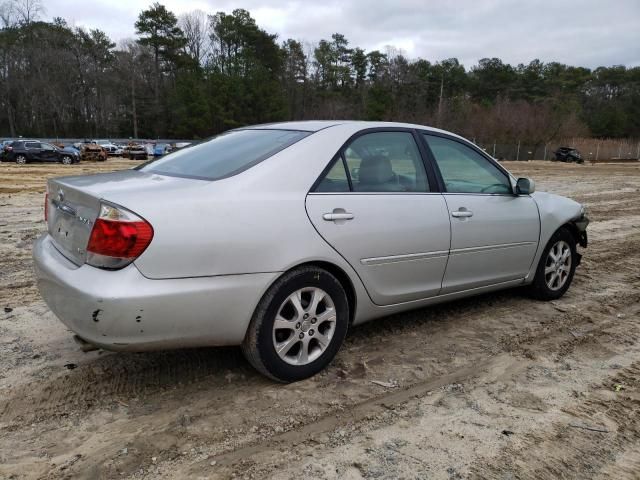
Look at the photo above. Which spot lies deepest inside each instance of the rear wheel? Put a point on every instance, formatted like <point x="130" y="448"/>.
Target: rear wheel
<point x="556" y="267"/>
<point x="21" y="159"/>
<point x="298" y="326"/>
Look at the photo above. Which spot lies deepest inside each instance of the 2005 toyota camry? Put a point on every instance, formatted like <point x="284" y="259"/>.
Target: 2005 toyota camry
<point x="279" y="237"/>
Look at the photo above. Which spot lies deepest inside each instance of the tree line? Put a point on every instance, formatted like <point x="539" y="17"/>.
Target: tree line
<point x="195" y="75"/>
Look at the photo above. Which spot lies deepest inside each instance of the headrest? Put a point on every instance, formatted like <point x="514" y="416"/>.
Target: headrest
<point x="374" y="170"/>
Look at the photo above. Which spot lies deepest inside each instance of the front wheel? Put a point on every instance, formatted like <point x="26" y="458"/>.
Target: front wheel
<point x="556" y="267"/>
<point x="298" y="326"/>
<point x="67" y="160"/>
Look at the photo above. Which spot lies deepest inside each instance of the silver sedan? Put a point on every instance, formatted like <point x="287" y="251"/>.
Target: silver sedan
<point x="280" y="237"/>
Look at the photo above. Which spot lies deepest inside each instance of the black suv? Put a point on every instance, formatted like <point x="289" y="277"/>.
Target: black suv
<point x="23" y="151"/>
<point x="568" y="154"/>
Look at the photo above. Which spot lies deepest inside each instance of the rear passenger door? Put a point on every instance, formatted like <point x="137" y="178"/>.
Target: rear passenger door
<point x="33" y="150"/>
<point x="494" y="233"/>
<point x="377" y="206"/>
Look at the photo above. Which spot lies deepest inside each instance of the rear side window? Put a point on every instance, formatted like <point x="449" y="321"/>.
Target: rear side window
<point x="224" y="155"/>
<point x="378" y="162"/>
<point x="335" y="180"/>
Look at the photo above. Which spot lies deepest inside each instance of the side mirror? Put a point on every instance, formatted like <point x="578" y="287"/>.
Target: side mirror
<point x="525" y="186"/>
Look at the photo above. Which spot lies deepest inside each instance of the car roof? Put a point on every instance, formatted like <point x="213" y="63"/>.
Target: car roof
<point x="316" y="125"/>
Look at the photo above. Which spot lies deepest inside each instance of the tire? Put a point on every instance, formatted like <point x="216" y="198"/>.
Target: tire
<point x="308" y="344"/>
<point x="543" y="288"/>
<point x="67" y="160"/>
<point x="21" y="159"/>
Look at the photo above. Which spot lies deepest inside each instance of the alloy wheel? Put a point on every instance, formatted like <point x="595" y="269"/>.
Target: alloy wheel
<point x="558" y="265"/>
<point x="304" y="326"/>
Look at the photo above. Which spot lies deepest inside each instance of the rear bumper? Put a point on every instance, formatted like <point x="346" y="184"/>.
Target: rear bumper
<point x="123" y="310"/>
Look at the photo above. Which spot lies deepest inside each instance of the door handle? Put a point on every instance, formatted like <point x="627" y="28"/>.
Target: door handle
<point x="332" y="217"/>
<point x="462" y="213"/>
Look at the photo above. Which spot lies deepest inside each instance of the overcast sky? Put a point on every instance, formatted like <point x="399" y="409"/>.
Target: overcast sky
<point x="588" y="33"/>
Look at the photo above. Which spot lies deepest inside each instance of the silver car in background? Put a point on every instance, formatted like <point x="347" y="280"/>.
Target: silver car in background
<point x="279" y="237"/>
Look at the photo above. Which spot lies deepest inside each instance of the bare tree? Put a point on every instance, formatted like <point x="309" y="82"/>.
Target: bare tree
<point x="28" y="10"/>
<point x="129" y="51"/>
<point x="7" y="14"/>
<point x="195" y="26"/>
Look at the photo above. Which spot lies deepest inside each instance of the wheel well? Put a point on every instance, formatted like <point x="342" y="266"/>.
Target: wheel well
<point x="576" y="233"/>
<point x="344" y="280"/>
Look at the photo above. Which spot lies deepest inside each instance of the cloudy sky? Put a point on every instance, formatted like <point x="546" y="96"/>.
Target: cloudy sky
<point x="578" y="32"/>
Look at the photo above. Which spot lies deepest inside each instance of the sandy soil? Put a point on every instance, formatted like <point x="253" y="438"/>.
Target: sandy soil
<point x="497" y="386"/>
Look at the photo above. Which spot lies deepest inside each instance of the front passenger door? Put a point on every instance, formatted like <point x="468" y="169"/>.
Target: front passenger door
<point x="494" y="233"/>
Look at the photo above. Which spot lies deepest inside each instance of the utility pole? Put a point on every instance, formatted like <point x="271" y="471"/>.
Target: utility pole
<point x="133" y="105"/>
<point x="440" y="99"/>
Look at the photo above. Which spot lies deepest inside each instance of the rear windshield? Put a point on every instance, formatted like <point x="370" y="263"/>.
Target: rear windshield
<point x="224" y="155"/>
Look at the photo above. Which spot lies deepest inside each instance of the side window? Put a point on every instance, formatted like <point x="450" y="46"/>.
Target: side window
<point x="46" y="146"/>
<point x="32" y="145"/>
<point x="465" y="170"/>
<point x="335" y="180"/>
<point x="386" y="162"/>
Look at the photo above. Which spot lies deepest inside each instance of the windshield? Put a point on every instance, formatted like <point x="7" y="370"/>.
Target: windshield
<point x="224" y="155"/>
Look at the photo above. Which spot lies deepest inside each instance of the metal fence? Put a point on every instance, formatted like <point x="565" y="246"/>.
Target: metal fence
<point x="590" y="148"/>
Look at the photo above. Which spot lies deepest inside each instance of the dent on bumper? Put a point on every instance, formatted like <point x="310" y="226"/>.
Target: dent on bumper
<point x="123" y="310"/>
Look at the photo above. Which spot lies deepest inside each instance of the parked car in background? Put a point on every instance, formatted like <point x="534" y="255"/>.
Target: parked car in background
<point x="568" y="154"/>
<point x="109" y="147"/>
<point x="135" y="152"/>
<point x="26" y="151"/>
<point x="2" y="150"/>
<point x="264" y="237"/>
<point x="91" y="151"/>
<point x="161" y="149"/>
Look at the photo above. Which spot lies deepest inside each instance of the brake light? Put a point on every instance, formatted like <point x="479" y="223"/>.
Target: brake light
<point x="118" y="237"/>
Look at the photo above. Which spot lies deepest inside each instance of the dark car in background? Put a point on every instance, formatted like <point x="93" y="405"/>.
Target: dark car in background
<point x="26" y="151"/>
<point x="568" y="154"/>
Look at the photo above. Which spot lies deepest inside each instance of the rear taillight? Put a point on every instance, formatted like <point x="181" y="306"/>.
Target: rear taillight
<point x="118" y="237"/>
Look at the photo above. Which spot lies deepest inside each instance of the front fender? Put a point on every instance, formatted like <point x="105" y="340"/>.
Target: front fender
<point x="556" y="211"/>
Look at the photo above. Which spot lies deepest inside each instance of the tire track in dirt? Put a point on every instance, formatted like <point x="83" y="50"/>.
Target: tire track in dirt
<point x="257" y="460"/>
<point x="568" y="451"/>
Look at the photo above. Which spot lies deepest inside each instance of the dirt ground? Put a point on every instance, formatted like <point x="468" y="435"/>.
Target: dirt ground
<point x="497" y="386"/>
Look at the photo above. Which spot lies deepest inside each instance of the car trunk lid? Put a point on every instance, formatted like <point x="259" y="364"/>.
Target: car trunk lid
<point x="74" y="204"/>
